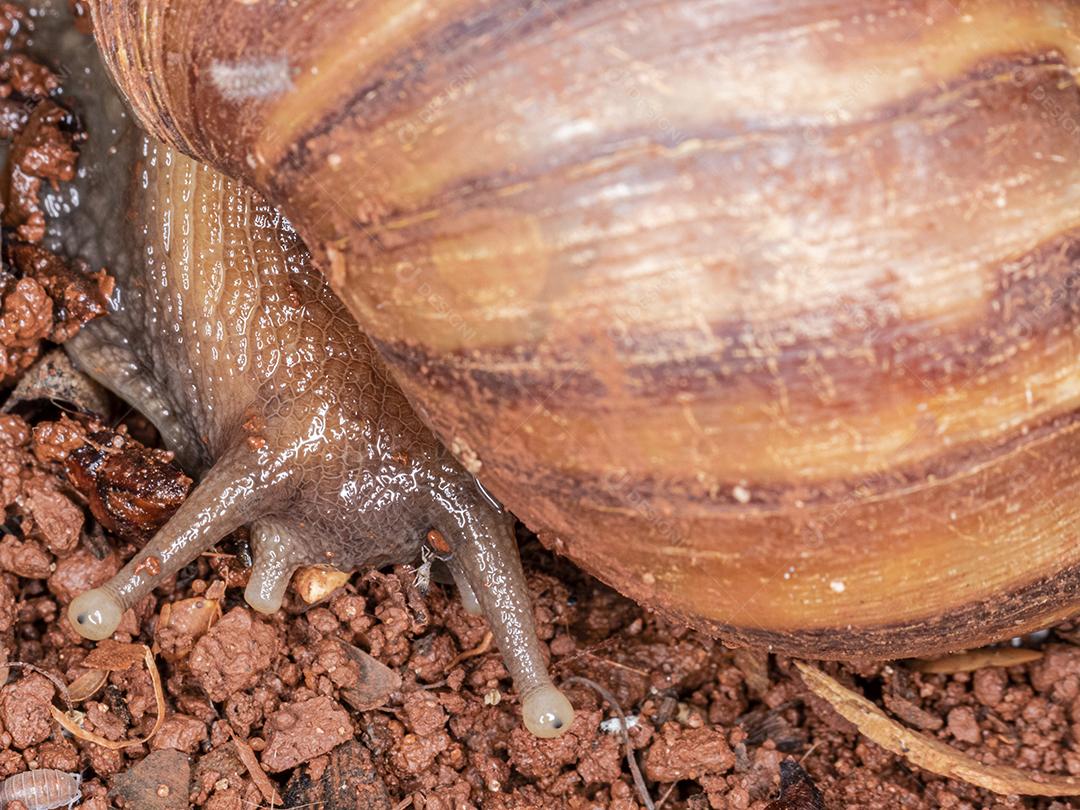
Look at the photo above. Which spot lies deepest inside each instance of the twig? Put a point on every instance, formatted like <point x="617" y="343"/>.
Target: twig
<point x="930" y="753"/>
<point x="563" y="662"/>
<point x="254" y="769"/>
<point x="631" y="760"/>
<point x="73" y="725"/>
<point x="479" y="649"/>
<point x="667" y="793"/>
<point x="609" y="662"/>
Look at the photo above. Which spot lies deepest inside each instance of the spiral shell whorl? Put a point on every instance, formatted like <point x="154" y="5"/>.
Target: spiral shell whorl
<point x="765" y="313"/>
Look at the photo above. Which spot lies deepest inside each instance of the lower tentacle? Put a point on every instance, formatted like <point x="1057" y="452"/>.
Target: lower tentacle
<point x="465" y="592"/>
<point x="273" y="568"/>
<point x="485" y="557"/>
<point x="232" y="493"/>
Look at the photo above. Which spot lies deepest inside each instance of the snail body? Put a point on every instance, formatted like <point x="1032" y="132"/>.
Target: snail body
<point x="230" y="341"/>
<point x="766" y="314"/>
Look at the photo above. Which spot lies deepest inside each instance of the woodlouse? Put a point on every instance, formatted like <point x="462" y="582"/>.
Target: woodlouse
<point x="42" y="789"/>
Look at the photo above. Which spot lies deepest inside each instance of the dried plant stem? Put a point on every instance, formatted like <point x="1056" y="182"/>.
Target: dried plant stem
<point x="631" y="760"/>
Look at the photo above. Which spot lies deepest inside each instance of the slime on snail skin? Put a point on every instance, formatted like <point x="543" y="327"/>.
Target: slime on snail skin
<point x="229" y="340"/>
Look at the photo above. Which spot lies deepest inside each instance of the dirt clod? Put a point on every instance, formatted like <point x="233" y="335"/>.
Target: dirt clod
<point x="302" y="731"/>
<point x="963" y="725"/>
<point x="24" y="709"/>
<point x="57" y="521"/>
<point x="160" y="781"/>
<point x="180" y="733"/>
<point x="687" y="753"/>
<point x="231" y="656"/>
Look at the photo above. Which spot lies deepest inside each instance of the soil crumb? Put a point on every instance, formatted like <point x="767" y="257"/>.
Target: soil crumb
<point x="43" y="297"/>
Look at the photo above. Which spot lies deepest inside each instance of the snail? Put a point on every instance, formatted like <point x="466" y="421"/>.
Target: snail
<point x="766" y="314"/>
<point x="228" y="339"/>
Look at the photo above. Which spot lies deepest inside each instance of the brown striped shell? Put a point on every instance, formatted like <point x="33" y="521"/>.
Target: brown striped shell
<point x="766" y="313"/>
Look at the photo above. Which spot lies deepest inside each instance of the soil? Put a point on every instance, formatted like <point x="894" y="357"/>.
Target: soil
<point x="379" y="695"/>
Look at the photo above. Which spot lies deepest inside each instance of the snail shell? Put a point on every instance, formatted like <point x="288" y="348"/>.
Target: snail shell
<point x="767" y="314"/>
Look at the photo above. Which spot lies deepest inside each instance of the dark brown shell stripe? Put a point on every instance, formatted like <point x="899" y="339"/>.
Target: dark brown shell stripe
<point x="460" y="38"/>
<point x="608" y="324"/>
<point x="687" y="499"/>
<point x="1037" y="300"/>
<point x="986" y="82"/>
<point x="938" y="527"/>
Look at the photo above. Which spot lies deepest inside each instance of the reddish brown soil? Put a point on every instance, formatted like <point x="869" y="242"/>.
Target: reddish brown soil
<point x="288" y="704"/>
<point x="714" y="723"/>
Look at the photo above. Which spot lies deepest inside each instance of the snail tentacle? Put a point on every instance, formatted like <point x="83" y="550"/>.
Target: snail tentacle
<point x="231" y="494"/>
<point x="484" y="562"/>
<point x="275" y="561"/>
<point x="467" y="596"/>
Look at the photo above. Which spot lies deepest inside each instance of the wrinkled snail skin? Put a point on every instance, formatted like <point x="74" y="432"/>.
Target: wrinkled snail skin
<point x="765" y="313"/>
<point x="229" y="339"/>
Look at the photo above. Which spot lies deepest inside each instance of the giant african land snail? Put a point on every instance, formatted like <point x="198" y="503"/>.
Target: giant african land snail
<point x="766" y="313"/>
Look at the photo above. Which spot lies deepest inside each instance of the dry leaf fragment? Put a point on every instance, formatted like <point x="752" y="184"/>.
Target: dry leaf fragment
<point x="797" y="789"/>
<point x="754" y="666"/>
<point x="86" y="685"/>
<point x="72" y="720"/>
<point x="115" y="656"/>
<point x="927" y="752"/>
<point x="479" y="649"/>
<point x="55" y="378"/>
<point x="160" y="781"/>
<point x="375" y="684"/>
<point x="977" y="659"/>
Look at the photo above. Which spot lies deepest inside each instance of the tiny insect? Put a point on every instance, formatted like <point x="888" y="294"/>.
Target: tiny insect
<point x="42" y="789"/>
<point x="423" y="573"/>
